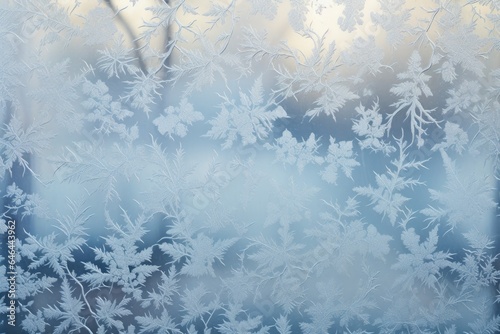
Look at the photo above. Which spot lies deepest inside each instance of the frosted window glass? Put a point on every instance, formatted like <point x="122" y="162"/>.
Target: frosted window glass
<point x="263" y="166"/>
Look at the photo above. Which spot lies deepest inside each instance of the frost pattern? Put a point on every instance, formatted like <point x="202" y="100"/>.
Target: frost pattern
<point x="263" y="166"/>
